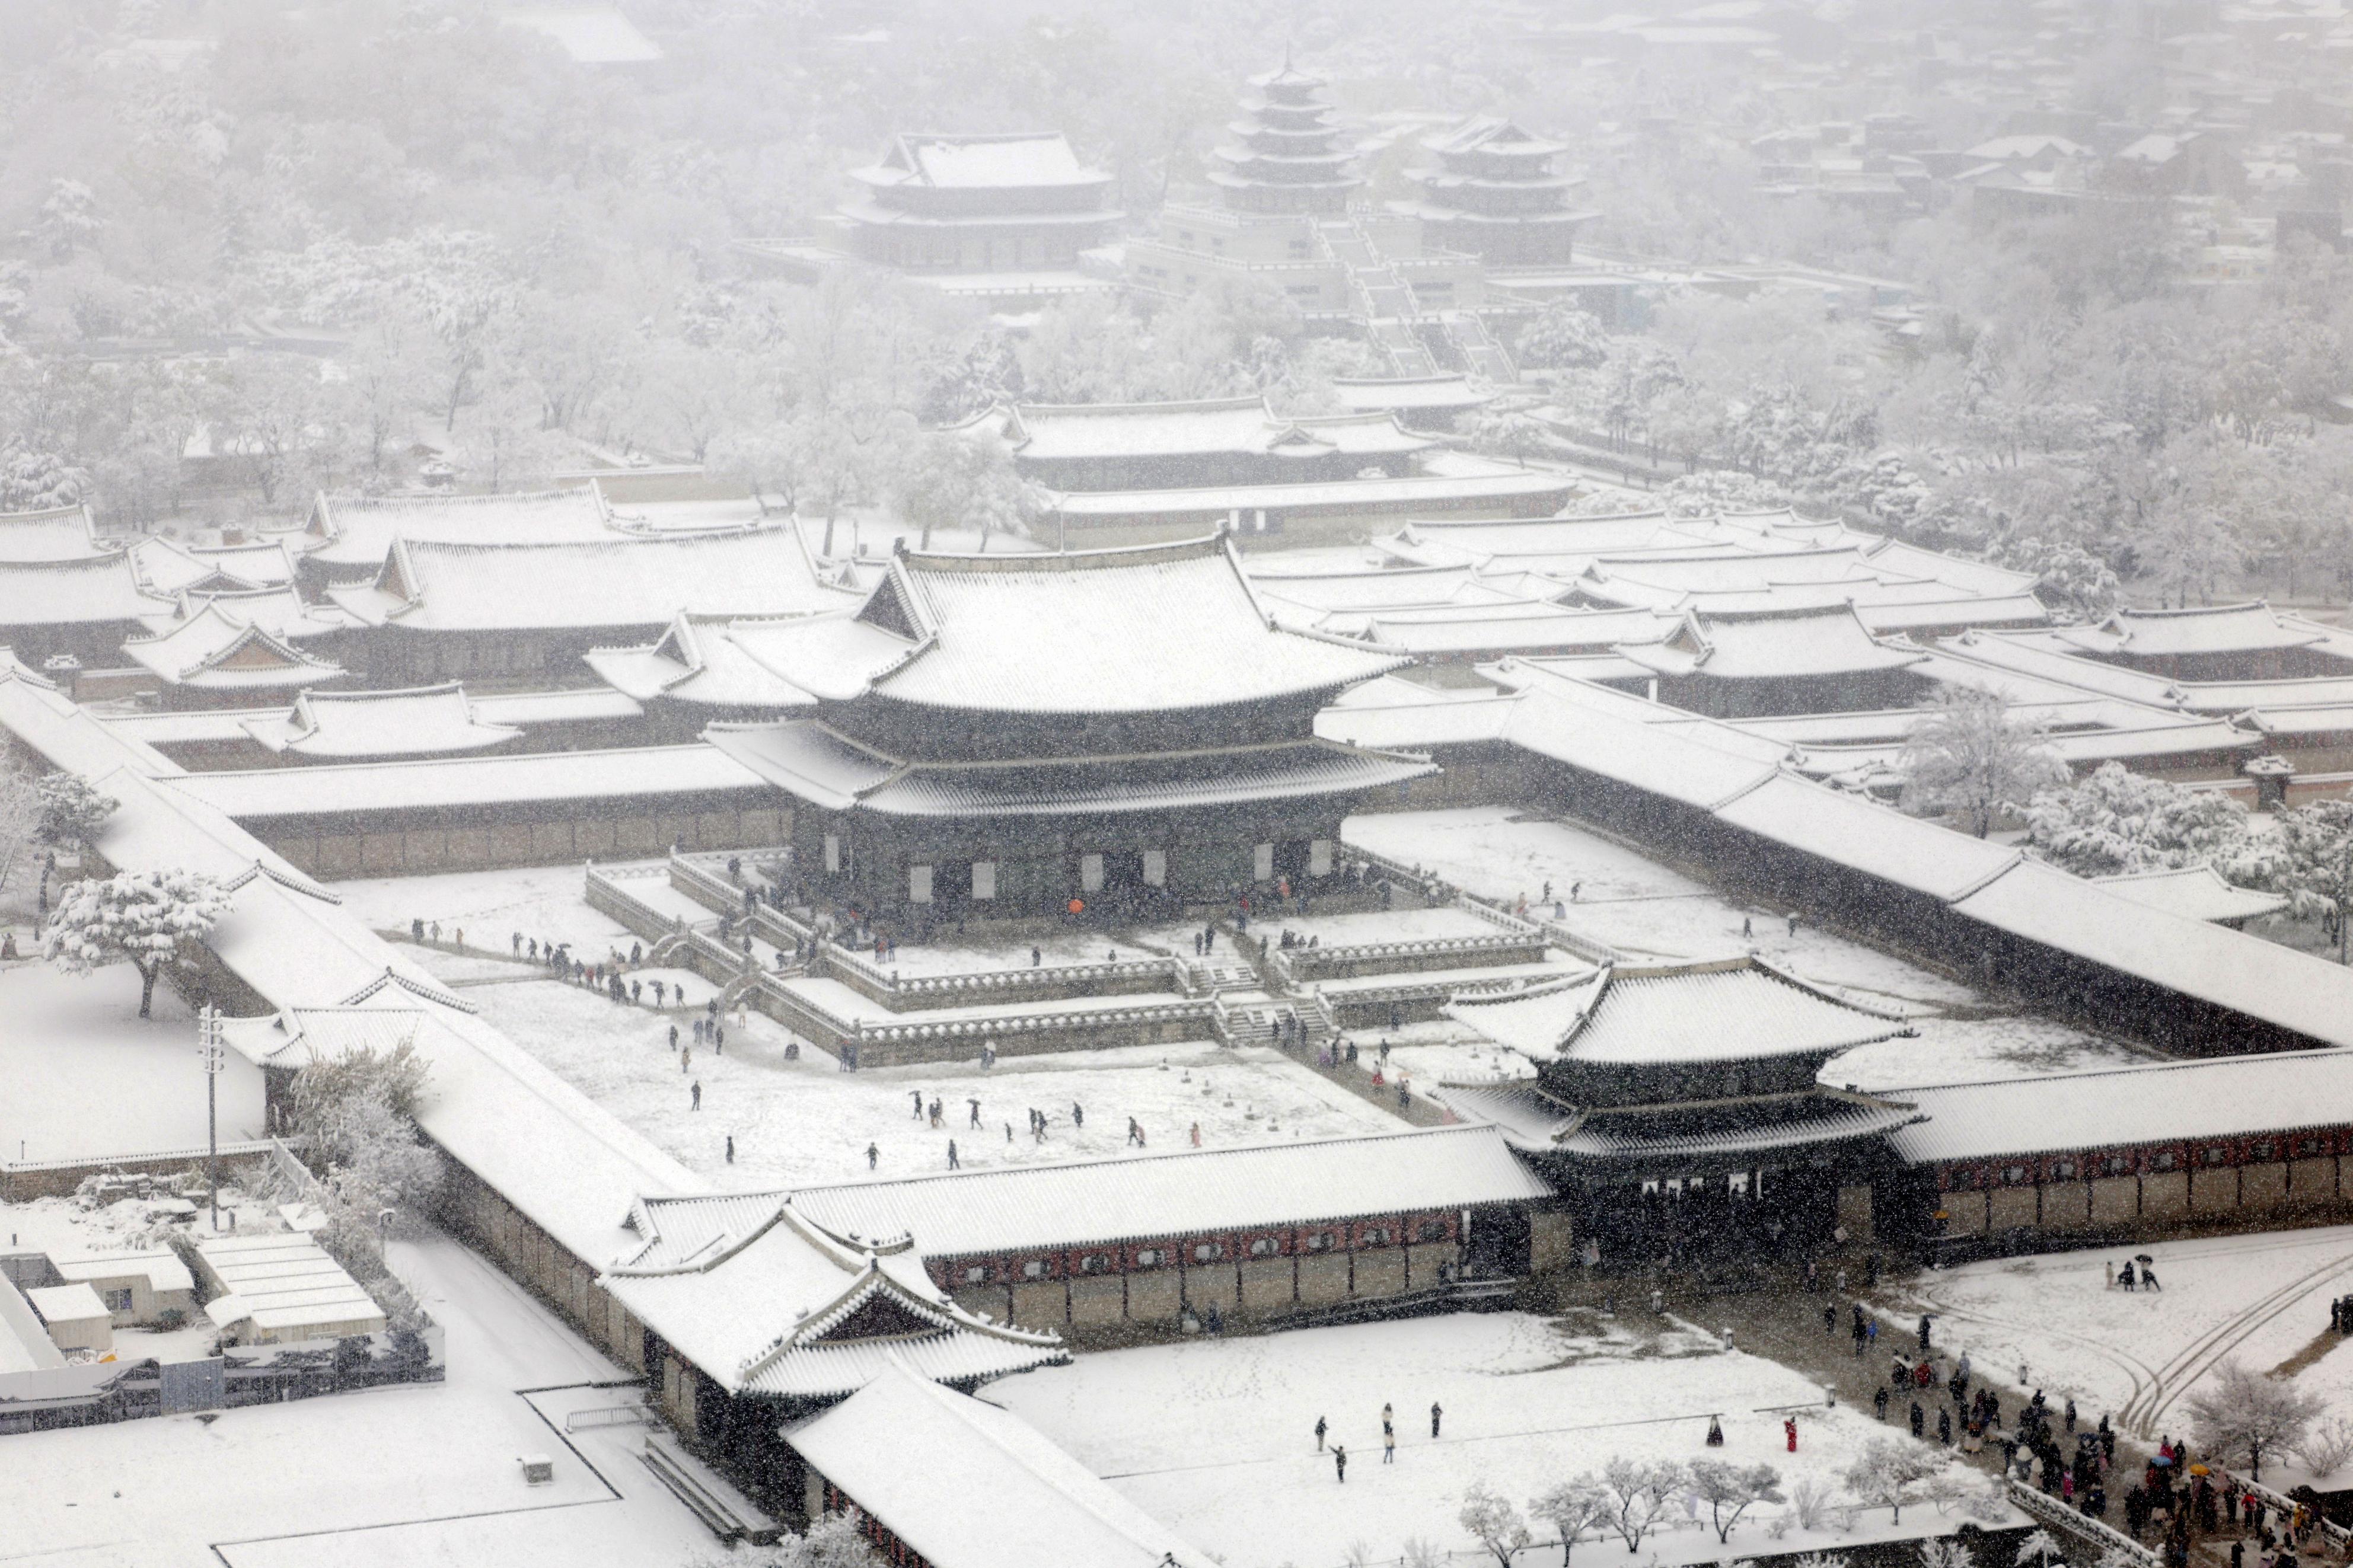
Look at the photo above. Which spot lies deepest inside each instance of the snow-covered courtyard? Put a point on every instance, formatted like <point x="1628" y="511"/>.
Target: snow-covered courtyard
<point x="1217" y="1436"/>
<point x="1653" y="914"/>
<point x="805" y="1119"/>
<point x="82" y="1075"/>
<point x="2261" y="1300"/>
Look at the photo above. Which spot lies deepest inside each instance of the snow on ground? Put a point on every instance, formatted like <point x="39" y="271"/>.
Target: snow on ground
<point x="1216" y="1436"/>
<point x="1446" y="921"/>
<point x="62" y="1227"/>
<point x="424" y="1474"/>
<point x="805" y="1121"/>
<point x="1651" y="913"/>
<point x="83" y="1074"/>
<point x="2259" y="1299"/>
<point x="543" y="902"/>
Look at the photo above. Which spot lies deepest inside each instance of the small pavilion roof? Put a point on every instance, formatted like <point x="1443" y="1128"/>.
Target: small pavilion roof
<point x="355" y="726"/>
<point x="217" y="649"/>
<point x="282" y="611"/>
<point x="1771" y="645"/>
<point x="1737" y="1009"/>
<point x="60" y="533"/>
<point x="1492" y="133"/>
<point x="2252" y="628"/>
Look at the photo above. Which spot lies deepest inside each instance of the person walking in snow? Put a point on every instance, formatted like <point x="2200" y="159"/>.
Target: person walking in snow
<point x="698" y="1095"/>
<point x="917" y="1095"/>
<point x="1924" y="1331"/>
<point x="1340" y="1462"/>
<point x="1435" y="1413"/>
<point x="1789" y="1431"/>
<point x="975" y="1112"/>
<point x="1320" y="1430"/>
<point x="1078" y="1117"/>
<point x="873" y="1155"/>
<point x="673" y="1037"/>
<point x="954" y="1163"/>
<point x="731" y="1148"/>
<point x="686" y="1059"/>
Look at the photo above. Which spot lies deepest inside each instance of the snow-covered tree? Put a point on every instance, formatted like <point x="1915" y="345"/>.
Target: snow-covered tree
<point x="2313" y="865"/>
<point x="72" y="810"/>
<point x="1888" y="1472"/>
<point x="1494" y="1523"/>
<point x="22" y="810"/>
<point x="2117" y="820"/>
<point x="1639" y="1496"/>
<point x="1508" y="433"/>
<point x="1579" y="1508"/>
<point x="39" y="481"/>
<point x="953" y="482"/>
<point x="153" y="920"/>
<point x="69" y="220"/>
<point x="2241" y="1416"/>
<point x="2066" y="575"/>
<point x="1712" y="491"/>
<point x="1562" y="337"/>
<point x="834" y="1541"/>
<point x="2037" y="1548"/>
<point x="1730" y="1491"/>
<point x="1968" y="756"/>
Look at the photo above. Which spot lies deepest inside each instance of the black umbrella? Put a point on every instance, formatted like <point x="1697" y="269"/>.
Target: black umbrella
<point x="2143" y="1258"/>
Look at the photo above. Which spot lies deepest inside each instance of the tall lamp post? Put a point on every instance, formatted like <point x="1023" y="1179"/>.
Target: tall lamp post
<point x="210" y="1051"/>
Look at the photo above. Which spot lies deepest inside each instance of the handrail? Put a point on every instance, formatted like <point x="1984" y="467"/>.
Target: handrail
<point x="2051" y="1510"/>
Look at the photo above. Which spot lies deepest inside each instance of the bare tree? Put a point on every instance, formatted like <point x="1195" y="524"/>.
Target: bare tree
<point x="1578" y="1510"/>
<point x="1968" y="756"/>
<point x="1731" y="1490"/>
<point x="1494" y="1523"/>
<point x="1886" y="1472"/>
<point x="2242" y="1416"/>
<point x="1639" y="1495"/>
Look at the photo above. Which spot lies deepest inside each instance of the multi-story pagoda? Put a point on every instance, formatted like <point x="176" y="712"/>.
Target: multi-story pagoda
<point x="1007" y="734"/>
<point x="1286" y="155"/>
<point x="1493" y="193"/>
<point x="1680" y="1108"/>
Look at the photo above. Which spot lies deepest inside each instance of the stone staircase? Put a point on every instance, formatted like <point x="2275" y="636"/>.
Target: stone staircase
<point x="726" y="1512"/>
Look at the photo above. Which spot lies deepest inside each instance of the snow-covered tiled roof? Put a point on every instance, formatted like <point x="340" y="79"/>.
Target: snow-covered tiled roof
<point x="2252" y="628"/>
<point x="265" y="564"/>
<point x="217" y="650"/>
<point x="90" y="591"/>
<point x="341" y="788"/>
<point x="352" y="725"/>
<point x="60" y="534"/>
<point x="767" y="1303"/>
<point x="2196" y="892"/>
<point x="1804" y="1124"/>
<point x="613" y="583"/>
<point x="1015" y="161"/>
<point x="281" y="611"/>
<point x="1224" y="427"/>
<point x="1448" y="393"/>
<point x="1432" y="488"/>
<point x="355" y="532"/>
<point x="1770" y="645"/>
<point x="967" y="1484"/>
<point x="2121" y="1106"/>
<point x="1085" y="1203"/>
<point x="818" y="763"/>
<point x="701" y="661"/>
<point x="1728" y="1010"/>
<point x="1156" y="628"/>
